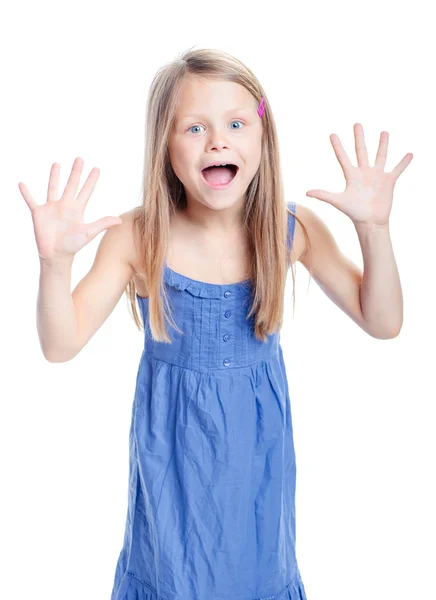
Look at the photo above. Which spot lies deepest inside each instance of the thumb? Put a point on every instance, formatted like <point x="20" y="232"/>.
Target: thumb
<point x="105" y="223"/>
<point x="323" y="195"/>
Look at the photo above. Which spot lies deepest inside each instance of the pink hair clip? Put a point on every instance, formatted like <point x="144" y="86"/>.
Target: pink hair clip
<point x="261" y="108"/>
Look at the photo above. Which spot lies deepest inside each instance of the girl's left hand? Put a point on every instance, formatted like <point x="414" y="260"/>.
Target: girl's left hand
<point x="368" y="194"/>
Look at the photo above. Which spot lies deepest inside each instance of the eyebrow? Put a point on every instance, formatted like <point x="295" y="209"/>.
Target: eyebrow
<point x="232" y="110"/>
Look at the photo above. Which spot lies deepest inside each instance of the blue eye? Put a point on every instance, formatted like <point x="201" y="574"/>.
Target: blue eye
<point x="236" y="121"/>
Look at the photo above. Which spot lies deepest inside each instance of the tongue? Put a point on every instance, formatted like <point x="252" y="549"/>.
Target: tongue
<point x="218" y="175"/>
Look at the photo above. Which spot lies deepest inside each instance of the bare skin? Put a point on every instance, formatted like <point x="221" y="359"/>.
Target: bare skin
<point x="200" y="256"/>
<point x="67" y="320"/>
<point x="202" y="259"/>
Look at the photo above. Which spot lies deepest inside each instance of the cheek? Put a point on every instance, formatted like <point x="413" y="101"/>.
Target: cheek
<point x="180" y="161"/>
<point x="180" y="152"/>
<point x="253" y="152"/>
<point x="252" y="143"/>
<point x="174" y="155"/>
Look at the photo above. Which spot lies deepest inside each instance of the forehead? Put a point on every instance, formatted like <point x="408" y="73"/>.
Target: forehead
<point x="200" y="95"/>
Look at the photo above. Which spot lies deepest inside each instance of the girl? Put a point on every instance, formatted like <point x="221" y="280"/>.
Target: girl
<point x="211" y="502"/>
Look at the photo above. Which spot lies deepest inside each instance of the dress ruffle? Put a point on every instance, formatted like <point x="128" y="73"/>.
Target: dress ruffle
<point x="203" y="289"/>
<point x="132" y="588"/>
<point x="295" y="590"/>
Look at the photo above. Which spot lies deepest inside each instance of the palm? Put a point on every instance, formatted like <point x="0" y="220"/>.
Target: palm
<point x="368" y="193"/>
<point x="59" y="227"/>
<point x="59" y="230"/>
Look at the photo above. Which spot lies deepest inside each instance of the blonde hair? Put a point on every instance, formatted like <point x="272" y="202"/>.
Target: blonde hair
<point x="265" y="216"/>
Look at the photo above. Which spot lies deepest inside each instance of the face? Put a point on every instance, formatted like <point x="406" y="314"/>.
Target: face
<point x="216" y="121"/>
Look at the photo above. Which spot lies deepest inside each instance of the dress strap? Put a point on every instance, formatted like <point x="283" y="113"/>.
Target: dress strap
<point x="291" y="222"/>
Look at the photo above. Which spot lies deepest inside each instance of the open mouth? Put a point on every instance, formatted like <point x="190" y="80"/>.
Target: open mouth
<point x="220" y="177"/>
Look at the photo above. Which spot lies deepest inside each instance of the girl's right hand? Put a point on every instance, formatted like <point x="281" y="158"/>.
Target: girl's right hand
<point x="58" y="224"/>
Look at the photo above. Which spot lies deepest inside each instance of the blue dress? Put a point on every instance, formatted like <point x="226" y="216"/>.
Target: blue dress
<point x="211" y="497"/>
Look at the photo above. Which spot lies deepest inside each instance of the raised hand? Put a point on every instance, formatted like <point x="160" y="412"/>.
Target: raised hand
<point x="368" y="194"/>
<point x="58" y="224"/>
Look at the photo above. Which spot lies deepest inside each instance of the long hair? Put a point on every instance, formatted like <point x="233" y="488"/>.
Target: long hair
<point x="265" y="213"/>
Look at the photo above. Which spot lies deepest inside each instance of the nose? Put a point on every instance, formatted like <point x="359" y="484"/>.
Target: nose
<point x="218" y="145"/>
<point x="217" y="139"/>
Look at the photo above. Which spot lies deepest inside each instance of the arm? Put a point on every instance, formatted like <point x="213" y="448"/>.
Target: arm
<point x="381" y="296"/>
<point x="369" y="297"/>
<point x="66" y="321"/>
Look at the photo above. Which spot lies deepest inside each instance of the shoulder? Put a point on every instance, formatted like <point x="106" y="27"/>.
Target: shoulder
<point x="315" y="231"/>
<point x="125" y="236"/>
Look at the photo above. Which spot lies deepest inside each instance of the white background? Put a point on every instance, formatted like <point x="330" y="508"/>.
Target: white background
<point x="75" y="77"/>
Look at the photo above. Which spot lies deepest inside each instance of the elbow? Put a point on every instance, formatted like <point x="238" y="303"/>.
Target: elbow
<point x="395" y="333"/>
<point x="381" y="329"/>
<point x="385" y="335"/>
<point x="57" y="357"/>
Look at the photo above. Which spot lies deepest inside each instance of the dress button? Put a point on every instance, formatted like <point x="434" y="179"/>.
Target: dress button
<point x="226" y="362"/>
<point x="227" y="294"/>
<point x="227" y="314"/>
<point x="226" y="337"/>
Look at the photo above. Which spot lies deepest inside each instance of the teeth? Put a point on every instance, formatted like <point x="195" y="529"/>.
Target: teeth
<point x="219" y="165"/>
